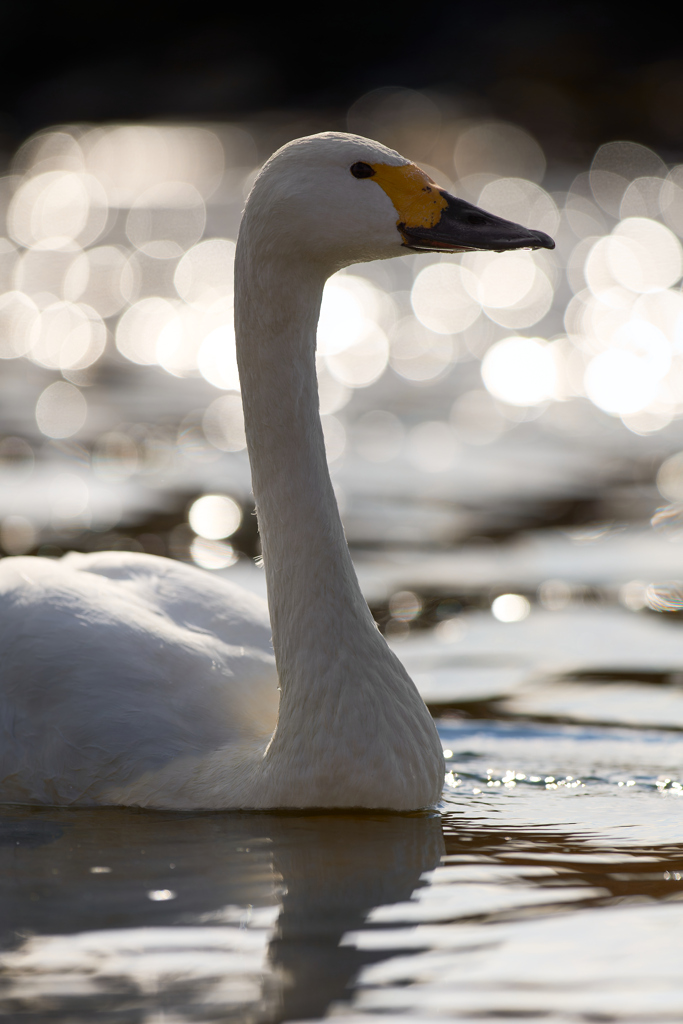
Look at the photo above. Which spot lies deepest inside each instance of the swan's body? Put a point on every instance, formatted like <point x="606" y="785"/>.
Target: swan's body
<point x="135" y="662"/>
<point x="131" y="679"/>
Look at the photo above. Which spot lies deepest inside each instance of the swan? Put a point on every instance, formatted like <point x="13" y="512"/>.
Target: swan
<point x="131" y="679"/>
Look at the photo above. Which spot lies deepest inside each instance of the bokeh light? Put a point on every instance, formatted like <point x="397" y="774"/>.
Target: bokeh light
<point x="108" y="231"/>
<point x="61" y="410"/>
<point x="215" y="516"/>
<point x="404" y="605"/>
<point x="501" y="279"/>
<point x="444" y="298"/>
<point x="350" y="336"/>
<point x="179" y="341"/>
<point x="615" y="165"/>
<point x="362" y="363"/>
<point x="130" y="159"/>
<point x="618" y="381"/>
<point x="67" y="336"/>
<point x="217" y="358"/>
<point x="18" y="314"/>
<point x="56" y="209"/>
<point x="205" y="273"/>
<point x="138" y="330"/>
<point x="95" y="278"/>
<point x="116" y="280"/>
<point x="212" y="554"/>
<point x="520" y="371"/>
<point x="644" y="255"/>
<point x="332" y="394"/>
<point x="418" y="353"/>
<point x="670" y="478"/>
<point x="223" y="423"/>
<point x="347" y="312"/>
<point x="510" y="608"/>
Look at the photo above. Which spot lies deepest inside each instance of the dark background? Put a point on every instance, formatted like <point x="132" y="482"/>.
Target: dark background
<point x="574" y="74"/>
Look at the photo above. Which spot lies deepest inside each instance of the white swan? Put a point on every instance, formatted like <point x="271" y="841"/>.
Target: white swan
<point x="131" y="679"/>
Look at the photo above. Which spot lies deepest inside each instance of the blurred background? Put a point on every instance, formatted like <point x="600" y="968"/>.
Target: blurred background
<point x="467" y="401"/>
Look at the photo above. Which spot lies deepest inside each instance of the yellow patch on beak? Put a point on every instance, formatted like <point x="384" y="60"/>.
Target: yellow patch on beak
<point x="418" y="200"/>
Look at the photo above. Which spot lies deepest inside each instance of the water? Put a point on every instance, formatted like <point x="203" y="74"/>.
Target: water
<point x="232" y="916"/>
<point x="549" y="886"/>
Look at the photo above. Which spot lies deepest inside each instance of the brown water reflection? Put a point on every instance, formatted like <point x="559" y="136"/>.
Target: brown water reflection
<point x="598" y="943"/>
<point x="272" y="917"/>
<point x="83" y="942"/>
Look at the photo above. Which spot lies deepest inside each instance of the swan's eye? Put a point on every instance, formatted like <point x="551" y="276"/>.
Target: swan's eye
<point x="361" y="170"/>
<point x="475" y="218"/>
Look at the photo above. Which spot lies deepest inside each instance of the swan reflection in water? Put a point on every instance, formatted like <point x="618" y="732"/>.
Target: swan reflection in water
<point x="242" y="915"/>
<point x="281" y="917"/>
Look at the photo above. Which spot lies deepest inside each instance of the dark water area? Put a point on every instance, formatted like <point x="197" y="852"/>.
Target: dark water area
<point x="119" y="914"/>
<point x="236" y="914"/>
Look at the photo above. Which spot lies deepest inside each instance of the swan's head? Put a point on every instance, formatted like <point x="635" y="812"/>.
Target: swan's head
<point x="341" y="199"/>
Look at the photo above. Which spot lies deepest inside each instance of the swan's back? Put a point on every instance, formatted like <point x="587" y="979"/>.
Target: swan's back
<point x="116" y="664"/>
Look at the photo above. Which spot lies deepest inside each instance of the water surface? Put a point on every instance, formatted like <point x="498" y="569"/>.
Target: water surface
<point x="549" y="886"/>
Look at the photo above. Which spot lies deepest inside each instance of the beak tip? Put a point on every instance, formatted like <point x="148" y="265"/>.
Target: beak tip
<point x="544" y="241"/>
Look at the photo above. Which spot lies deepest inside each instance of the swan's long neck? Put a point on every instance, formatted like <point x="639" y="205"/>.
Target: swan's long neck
<point x="312" y="587"/>
<point x="345" y="698"/>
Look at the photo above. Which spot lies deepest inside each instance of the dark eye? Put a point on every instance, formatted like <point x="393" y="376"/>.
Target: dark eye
<point x="361" y="170"/>
<point x="475" y="218"/>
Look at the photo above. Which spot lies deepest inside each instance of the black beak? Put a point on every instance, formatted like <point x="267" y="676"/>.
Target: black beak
<point x="463" y="227"/>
